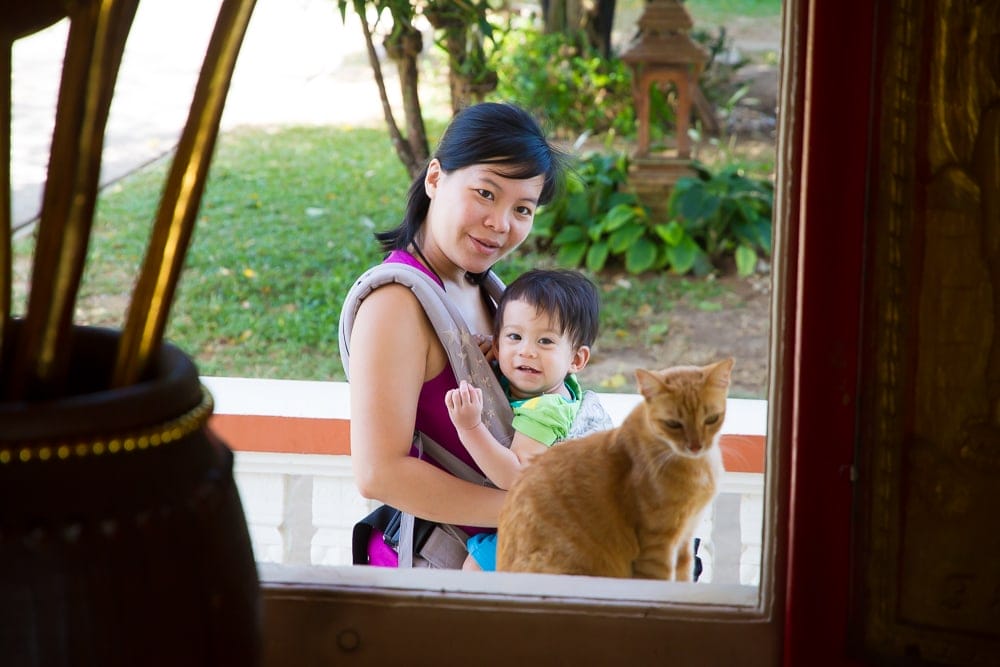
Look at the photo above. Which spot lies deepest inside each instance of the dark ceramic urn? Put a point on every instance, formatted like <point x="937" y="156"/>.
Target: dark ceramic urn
<point x="122" y="535"/>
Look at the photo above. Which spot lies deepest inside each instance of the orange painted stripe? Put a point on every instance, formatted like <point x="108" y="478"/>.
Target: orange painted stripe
<point x="286" y="435"/>
<point x="742" y="453"/>
<point x="306" y="435"/>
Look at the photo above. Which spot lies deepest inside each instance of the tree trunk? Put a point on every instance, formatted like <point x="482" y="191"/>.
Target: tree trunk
<point x="466" y="93"/>
<point x="554" y="15"/>
<point x="594" y="18"/>
<point x="404" y="150"/>
<point x="454" y="42"/>
<point x="404" y="50"/>
<point x="604" y="18"/>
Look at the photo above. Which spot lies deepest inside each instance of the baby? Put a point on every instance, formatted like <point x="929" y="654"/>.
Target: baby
<point x="546" y="322"/>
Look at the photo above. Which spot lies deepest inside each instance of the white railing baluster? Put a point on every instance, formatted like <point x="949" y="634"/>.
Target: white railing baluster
<point x="297" y="527"/>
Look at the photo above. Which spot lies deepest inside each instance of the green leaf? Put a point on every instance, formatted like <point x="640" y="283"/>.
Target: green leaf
<point x="619" y="197"/>
<point x="596" y="230"/>
<point x="597" y="256"/>
<point x="571" y="254"/>
<point x="762" y="232"/>
<point x="683" y="255"/>
<point x="624" y="237"/>
<point x="578" y="209"/>
<point x="618" y="216"/>
<point x="570" y="234"/>
<point x="672" y="233"/>
<point x="692" y="201"/>
<point x="640" y="256"/>
<point x="575" y="185"/>
<point x="544" y="221"/>
<point x="746" y="260"/>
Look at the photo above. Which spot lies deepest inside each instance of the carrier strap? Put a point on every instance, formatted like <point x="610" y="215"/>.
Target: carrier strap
<point x="466" y="360"/>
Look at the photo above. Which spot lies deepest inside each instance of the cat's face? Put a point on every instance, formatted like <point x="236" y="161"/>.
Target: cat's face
<point x="686" y="405"/>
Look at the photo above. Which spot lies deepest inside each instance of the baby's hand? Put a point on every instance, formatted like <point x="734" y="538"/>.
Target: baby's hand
<point x="465" y="406"/>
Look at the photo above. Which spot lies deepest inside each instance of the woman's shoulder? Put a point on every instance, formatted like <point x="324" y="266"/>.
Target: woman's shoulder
<point x="389" y="326"/>
<point x="392" y="301"/>
<point x="382" y="289"/>
<point x="393" y="282"/>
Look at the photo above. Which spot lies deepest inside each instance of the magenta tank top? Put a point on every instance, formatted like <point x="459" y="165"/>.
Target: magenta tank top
<point x="432" y="415"/>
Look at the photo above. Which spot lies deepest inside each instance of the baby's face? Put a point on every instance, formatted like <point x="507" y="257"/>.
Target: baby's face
<point x="534" y="353"/>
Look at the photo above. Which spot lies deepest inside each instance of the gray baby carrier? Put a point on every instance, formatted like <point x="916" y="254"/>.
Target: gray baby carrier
<point x="419" y="542"/>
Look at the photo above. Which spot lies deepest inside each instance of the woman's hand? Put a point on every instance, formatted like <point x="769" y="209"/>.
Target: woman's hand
<point x="485" y="344"/>
<point x="465" y="406"/>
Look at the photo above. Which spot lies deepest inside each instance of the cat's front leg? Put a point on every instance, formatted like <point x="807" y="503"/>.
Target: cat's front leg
<point x="685" y="561"/>
<point x="652" y="568"/>
<point x="653" y="562"/>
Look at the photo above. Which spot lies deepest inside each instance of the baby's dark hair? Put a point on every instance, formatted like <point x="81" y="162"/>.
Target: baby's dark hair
<point x="568" y="296"/>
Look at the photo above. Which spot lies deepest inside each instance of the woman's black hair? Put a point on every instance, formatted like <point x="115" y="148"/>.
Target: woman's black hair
<point x="565" y="295"/>
<point x="487" y="133"/>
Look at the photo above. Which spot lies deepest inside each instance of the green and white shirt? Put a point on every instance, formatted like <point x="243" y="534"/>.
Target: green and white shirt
<point x="546" y="418"/>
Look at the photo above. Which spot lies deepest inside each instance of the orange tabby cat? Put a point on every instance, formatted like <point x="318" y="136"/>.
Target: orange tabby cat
<point x="624" y="502"/>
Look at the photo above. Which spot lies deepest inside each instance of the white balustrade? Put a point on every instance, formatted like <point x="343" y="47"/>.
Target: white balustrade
<point x="301" y="510"/>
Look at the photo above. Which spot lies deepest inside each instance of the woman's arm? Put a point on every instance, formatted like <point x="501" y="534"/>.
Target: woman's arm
<point x="393" y="352"/>
<point x="502" y="465"/>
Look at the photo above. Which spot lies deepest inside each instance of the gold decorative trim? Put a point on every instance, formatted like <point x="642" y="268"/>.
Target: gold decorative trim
<point x="897" y="127"/>
<point x="122" y="443"/>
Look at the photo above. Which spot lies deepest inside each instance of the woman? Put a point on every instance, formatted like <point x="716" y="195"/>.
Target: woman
<point x="472" y="205"/>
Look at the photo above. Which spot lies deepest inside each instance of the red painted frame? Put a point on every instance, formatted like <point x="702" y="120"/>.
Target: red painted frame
<point x="829" y="161"/>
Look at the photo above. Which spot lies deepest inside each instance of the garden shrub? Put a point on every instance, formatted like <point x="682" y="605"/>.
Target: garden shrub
<point x="562" y="79"/>
<point x="727" y="213"/>
<point x="711" y="217"/>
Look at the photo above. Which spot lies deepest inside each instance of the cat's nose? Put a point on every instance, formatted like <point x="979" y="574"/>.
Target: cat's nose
<point x="694" y="447"/>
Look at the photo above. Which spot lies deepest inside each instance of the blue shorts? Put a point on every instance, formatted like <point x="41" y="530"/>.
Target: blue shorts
<point x="483" y="549"/>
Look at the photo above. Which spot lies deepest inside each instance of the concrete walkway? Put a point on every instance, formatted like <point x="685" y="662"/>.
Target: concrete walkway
<point x="299" y="64"/>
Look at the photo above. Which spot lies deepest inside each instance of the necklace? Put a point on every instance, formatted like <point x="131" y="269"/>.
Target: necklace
<point x="427" y="264"/>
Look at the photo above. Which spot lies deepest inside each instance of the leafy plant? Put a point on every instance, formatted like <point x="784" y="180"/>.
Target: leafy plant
<point x="724" y="213"/>
<point x="563" y="79"/>
<point x="599" y="222"/>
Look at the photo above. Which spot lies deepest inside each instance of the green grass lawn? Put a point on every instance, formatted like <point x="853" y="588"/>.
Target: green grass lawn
<point x="719" y="11"/>
<point x="704" y="13"/>
<point x="285" y="227"/>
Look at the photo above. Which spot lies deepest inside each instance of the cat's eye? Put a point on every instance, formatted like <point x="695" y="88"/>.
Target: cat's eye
<point x="672" y="424"/>
<point x="711" y="419"/>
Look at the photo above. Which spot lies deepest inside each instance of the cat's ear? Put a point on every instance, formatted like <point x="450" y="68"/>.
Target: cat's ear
<point x="720" y="373"/>
<point x="649" y="384"/>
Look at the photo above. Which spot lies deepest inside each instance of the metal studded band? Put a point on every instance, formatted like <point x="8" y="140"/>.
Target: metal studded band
<point x="153" y="436"/>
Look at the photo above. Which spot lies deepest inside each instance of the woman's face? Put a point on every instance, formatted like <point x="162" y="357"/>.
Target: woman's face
<point x="477" y="216"/>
